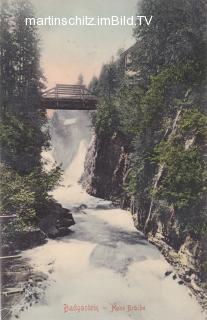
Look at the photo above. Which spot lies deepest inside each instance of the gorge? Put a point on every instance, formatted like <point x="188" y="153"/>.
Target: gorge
<point x="104" y="261"/>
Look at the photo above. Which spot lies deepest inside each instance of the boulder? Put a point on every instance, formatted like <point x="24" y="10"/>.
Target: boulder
<point x="53" y="218"/>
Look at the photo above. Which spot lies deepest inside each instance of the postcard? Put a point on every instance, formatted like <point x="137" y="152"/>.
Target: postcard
<point x="103" y="138"/>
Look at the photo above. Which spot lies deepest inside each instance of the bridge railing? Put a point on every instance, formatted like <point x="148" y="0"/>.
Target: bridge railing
<point x="64" y="91"/>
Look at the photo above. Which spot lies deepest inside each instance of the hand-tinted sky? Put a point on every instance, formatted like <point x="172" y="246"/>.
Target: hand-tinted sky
<point x="68" y="51"/>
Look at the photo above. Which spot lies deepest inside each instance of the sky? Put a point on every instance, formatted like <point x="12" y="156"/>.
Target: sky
<point x="68" y="51"/>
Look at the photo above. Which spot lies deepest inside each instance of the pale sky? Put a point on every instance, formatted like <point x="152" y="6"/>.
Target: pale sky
<point x="68" y="51"/>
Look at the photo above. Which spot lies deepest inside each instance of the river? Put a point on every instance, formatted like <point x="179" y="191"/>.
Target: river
<point x="105" y="264"/>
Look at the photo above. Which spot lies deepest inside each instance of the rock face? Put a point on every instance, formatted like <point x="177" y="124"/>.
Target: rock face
<point x="55" y="220"/>
<point x="106" y="168"/>
<point x="23" y="240"/>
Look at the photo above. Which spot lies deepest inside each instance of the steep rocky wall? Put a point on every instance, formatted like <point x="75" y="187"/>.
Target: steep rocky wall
<point x="105" y="168"/>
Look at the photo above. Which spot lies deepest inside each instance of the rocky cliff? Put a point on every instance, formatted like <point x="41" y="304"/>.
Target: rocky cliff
<point x="106" y="166"/>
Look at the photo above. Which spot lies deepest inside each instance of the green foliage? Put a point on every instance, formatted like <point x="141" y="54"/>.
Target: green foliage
<point x="17" y="195"/>
<point x="80" y="81"/>
<point x="21" y="141"/>
<point x="22" y="120"/>
<point x="106" y="120"/>
<point x="44" y="182"/>
<point x="194" y="122"/>
<point x="184" y="181"/>
<point x="137" y="182"/>
<point x="166" y="91"/>
<point x="93" y="86"/>
<point x="143" y="110"/>
<point x="138" y="109"/>
<point x="169" y="59"/>
<point x="108" y="81"/>
<point x="25" y="195"/>
<point x="130" y="112"/>
<point x="176" y="34"/>
<point x="25" y="185"/>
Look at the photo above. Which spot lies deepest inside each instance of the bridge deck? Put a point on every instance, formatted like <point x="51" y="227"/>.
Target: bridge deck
<point x="69" y="97"/>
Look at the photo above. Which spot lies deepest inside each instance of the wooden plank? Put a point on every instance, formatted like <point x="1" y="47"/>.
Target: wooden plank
<point x="49" y="95"/>
<point x="70" y="107"/>
<point x="10" y="257"/>
<point x="69" y="93"/>
<point x="74" y="93"/>
<point x="69" y="89"/>
<point x="12" y="291"/>
<point x="70" y="85"/>
<point x="9" y="217"/>
<point x="73" y="96"/>
<point x="7" y="273"/>
<point x="49" y="90"/>
<point x="70" y="99"/>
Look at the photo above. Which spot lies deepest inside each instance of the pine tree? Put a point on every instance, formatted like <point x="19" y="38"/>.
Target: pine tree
<point x="7" y="52"/>
<point x="80" y="81"/>
<point x="93" y="85"/>
<point x="24" y="126"/>
<point x="175" y="35"/>
<point x="108" y="80"/>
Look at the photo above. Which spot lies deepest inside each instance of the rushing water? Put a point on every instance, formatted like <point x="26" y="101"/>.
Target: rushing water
<point x="104" y="262"/>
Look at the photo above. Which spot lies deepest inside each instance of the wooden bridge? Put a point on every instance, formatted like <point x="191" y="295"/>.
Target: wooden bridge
<point x="69" y="97"/>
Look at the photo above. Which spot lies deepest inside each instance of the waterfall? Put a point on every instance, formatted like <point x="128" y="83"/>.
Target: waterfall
<point x="70" y="135"/>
